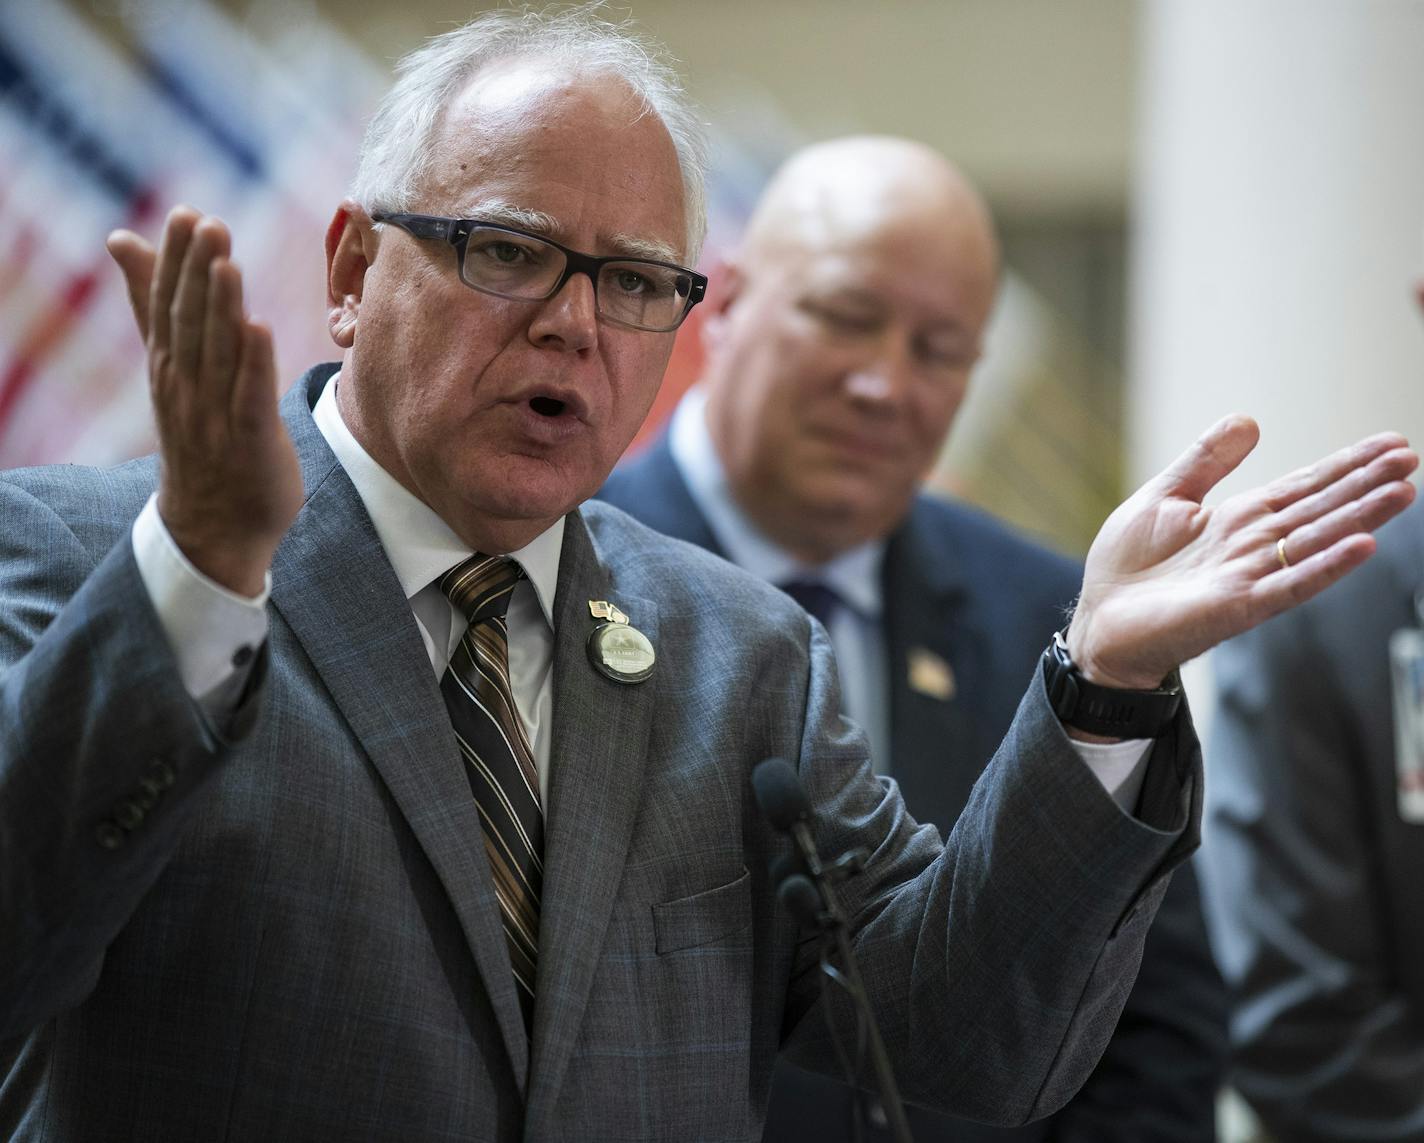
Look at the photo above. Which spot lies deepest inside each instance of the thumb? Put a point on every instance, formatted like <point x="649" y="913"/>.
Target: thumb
<point x="1214" y="454"/>
<point x="135" y="259"/>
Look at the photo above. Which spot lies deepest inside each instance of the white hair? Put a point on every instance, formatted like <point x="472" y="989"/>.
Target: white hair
<point x="398" y="147"/>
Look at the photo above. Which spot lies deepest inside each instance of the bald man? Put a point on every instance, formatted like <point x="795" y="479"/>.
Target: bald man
<point x="838" y="353"/>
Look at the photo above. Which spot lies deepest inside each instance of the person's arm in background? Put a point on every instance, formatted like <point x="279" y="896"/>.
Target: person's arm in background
<point x="1328" y="1047"/>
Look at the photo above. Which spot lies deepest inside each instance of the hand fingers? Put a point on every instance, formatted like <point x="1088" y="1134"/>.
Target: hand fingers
<point x="190" y="300"/>
<point x="177" y="233"/>
<point x="254" y="392"/>
<point x="1364" y="514"/>
<point x="222" y="339"/>
<point x="135" y="259"/>
<point x="1214" y="455"/>
<point x="1394" y="464"/>
<point x="1309" y="577"/>
<point x="1287" y="490"/>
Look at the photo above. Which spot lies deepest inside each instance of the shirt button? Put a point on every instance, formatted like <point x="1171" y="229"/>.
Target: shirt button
<point x="108" y="835"/>
<point x="242" y="656"/>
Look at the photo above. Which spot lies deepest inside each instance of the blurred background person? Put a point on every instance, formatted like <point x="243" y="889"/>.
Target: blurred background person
<point x="838" y="351"/>
<point x="1316" y="804"/>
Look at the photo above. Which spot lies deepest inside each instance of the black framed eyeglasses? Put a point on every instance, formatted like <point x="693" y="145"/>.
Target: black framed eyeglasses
<point x="509" y="263"/>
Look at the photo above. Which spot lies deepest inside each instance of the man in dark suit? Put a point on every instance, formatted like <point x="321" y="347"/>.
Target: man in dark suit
<point x="940" y="612"/>
<point x="1312" y="876"/>
<point x="405" y="842"/>
<point x="1316" y="853"/>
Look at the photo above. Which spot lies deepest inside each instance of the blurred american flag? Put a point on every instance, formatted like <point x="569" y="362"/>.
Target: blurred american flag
<point x="100" y="130"/>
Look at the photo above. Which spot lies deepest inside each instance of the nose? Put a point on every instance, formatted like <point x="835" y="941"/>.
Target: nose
<point x="882" y="380"/>
<point x="567" y="320"/>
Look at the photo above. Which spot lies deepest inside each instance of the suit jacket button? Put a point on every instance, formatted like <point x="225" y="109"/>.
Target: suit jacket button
<point x="128" y="813"/>
<point x="146" y="796"/>
<point x="108" y="835"/>
<point x="162" y="773"/>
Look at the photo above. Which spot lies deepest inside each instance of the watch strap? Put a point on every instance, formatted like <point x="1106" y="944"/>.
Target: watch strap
<point x="1110" y="711"/>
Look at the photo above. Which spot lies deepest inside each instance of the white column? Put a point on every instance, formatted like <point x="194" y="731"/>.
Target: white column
<point x="1279" y="208"/>
<point x="1278" y="214"/>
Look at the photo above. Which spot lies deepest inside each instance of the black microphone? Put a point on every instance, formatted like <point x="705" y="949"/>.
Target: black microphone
<point x="783" y="802"/>
<point x="780" y="794"/>
<point x="785" y="865"/>
<point x="802" y="900"/>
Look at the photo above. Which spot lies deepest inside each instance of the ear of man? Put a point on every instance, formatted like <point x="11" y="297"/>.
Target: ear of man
<point x="726" y="282"/>
<point x="350" y="249"/>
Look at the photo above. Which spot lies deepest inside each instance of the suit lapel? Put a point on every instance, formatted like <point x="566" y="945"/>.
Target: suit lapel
<point x="652" y="488"/>
<point x="336" y="590"/>
<point x="600" y="745"/>
<point x="925" y="596"/>
<point x="1405" y="556"/>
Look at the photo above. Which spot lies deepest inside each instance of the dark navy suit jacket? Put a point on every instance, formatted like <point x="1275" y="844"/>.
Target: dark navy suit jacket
<point x="966" y="588"/>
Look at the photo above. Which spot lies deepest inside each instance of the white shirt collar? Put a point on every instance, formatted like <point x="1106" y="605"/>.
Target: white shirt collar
<point x="420" y="545"/>
<point x="853" y="575"/>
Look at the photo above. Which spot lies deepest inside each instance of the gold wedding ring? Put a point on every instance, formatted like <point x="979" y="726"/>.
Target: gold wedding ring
<point x="1281" y="553"/>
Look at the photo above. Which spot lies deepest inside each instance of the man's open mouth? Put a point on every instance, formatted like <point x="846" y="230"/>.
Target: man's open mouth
<point x="546" y="406"/>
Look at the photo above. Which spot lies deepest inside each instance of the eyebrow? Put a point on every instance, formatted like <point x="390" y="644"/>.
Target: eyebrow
<point x="504" y="213"/>
<point x="644" y="248"/>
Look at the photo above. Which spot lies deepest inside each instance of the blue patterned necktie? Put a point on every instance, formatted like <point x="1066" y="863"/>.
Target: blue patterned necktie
<point x="498" y="757"/>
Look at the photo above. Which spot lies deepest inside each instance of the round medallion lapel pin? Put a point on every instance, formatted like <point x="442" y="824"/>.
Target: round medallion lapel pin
<point x="616" y="648"/>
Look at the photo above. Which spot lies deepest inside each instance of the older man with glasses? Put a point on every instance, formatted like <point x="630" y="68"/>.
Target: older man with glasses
<point x="359" y="783"/>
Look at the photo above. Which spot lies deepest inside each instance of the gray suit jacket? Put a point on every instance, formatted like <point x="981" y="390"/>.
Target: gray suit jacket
<point x="296" y="936"/>
<point x="1314" y="879"/>
<point x="960" y="585"/>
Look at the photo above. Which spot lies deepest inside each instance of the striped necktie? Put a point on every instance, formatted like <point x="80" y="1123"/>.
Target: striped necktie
<point x="498" y="756"/>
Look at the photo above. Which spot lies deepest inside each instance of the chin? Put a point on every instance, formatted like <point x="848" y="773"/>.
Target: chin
<point x="847" y="520"/>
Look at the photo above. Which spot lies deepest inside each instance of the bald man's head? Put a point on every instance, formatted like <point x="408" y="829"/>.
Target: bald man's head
<point x="831" y="193"/>
<point x="845" y="336"/>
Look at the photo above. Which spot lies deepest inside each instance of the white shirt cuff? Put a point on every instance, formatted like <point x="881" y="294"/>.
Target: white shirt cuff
<point x="214" y="632"/>
<point x="1119" y="766"/>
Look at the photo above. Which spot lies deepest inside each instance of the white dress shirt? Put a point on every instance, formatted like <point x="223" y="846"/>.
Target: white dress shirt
<point x="856" y="630"/>
<point x="213" y="631"/>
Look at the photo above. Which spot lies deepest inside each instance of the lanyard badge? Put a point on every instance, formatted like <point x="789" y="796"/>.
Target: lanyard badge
<point x="1406" y="668"/>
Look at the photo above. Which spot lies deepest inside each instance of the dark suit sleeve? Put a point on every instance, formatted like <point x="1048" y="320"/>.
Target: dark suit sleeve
<point x="101" y="754"/>
<point x="1328" y="1048"/>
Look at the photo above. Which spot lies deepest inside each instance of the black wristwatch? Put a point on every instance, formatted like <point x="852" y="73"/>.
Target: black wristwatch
<point x="1108" y="711"/>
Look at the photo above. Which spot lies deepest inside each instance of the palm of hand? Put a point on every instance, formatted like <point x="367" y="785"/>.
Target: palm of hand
<point x="1167" y="577"/>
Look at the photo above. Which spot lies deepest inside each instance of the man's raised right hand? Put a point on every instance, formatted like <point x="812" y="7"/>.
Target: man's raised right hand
<point x="231" y="484"/>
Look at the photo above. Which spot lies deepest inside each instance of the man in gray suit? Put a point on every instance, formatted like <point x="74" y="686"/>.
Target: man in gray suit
<point x="252" y="881"/>
<point x="835" y="368"/>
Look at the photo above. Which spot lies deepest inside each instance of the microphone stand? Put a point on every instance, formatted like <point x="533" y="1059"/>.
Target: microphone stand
<point x="810" y="896"/>
<point x="831" y="921"/>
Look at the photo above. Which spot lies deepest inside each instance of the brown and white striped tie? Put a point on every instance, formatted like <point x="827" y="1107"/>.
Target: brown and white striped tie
<point x="498" y="756"/>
